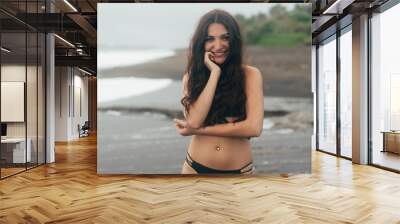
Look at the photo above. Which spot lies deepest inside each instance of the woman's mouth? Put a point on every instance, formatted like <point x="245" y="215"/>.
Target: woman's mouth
<point x="219" y="54"/>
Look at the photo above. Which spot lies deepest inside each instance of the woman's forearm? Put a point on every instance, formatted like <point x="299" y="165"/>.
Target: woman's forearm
<point x="244" y="129"/>
<point x="198" y="111"/>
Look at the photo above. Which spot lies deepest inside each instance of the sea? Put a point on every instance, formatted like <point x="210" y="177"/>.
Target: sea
<point x="147" y="143"/>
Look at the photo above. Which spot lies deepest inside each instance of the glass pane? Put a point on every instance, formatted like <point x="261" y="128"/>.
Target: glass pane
<point x="13" y="86"/>
<point x="346" y="94"/>
<point x="386" y="89"/>
<point x="327" y="96"/>
<point x="31" y="99"/>
<point x="41" y="98"/>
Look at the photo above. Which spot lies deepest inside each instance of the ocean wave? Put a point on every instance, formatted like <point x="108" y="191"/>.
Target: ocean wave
<point x="110" y="89"/>
<point x="122" y="58"/>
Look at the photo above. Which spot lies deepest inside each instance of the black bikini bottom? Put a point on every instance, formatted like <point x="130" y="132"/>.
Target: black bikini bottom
<point x="201" y="169"/>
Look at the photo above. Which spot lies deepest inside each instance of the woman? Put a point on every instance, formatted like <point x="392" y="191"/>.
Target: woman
<point x="222" y="99"/>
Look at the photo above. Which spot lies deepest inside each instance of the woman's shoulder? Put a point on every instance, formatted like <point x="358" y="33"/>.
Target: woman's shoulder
<point x="251" y="71"/>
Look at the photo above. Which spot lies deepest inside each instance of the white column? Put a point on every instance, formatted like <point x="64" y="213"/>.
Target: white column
<point x="360" y="90"/>
<point x="50" y="92"/>
<point x="50" y="98"/>
<point x="314" y="92"/>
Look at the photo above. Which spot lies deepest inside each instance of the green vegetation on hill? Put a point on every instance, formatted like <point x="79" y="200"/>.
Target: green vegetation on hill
<point x="280" y="28"/>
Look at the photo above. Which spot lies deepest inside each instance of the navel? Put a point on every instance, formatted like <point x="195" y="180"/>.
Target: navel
<point x="218" y="148"/>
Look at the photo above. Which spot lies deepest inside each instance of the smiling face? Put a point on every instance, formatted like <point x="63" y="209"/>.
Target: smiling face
<point x="217" y="42"/>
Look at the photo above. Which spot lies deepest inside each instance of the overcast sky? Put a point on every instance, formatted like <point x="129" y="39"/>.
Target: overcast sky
<point x="166" y="26"/>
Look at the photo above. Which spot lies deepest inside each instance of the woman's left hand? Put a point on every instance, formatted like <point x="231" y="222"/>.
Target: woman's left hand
<point x="183" y="128"/>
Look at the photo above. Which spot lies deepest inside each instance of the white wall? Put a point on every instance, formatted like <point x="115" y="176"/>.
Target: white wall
<point x="70" y="83"/>
<point x="15" y="73"/>
<point x="33" y="125"/>
<point x="80" y="109"/>
<point x="61" y="103"/>
<point x="12" y="97"/>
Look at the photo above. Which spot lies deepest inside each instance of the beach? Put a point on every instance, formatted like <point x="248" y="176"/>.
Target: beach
<point x="136" y="134"/>
<point x="147" y="143"/>
<point x="286" y="71"/>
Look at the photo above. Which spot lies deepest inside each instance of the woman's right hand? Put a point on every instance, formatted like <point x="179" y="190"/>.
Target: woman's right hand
<point x="211" y="65"/>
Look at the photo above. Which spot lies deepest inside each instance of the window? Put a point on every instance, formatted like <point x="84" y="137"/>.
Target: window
<point x="385" y="89"/>
<point x="346" y="74"/>
<point x="327" y="95"/>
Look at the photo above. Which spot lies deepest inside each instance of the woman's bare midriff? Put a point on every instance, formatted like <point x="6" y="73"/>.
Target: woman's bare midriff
<point x="233" y="152"/>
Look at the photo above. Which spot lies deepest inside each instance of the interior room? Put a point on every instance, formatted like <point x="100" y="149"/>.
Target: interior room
<point x="22" y="101"/>
<point x="48" y="119"/>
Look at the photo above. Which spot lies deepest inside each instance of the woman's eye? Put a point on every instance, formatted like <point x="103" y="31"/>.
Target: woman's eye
<point x="225" y="38"/>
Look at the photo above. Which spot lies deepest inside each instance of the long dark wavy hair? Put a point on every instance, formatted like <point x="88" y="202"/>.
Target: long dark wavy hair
<point x="229" y="98"/>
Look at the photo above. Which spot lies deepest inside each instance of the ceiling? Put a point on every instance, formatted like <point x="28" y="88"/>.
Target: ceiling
<point x="330" y="15"/>
<point x="74" y="22"/>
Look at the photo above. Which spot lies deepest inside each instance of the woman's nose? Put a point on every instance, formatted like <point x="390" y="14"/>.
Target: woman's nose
<point x="217" y="44"/>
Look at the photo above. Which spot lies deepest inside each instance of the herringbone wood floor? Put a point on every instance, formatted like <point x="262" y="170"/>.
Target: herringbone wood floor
<point x="70" y="191"/>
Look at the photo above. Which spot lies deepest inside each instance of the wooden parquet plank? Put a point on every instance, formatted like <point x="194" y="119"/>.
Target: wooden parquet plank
<point x="70" y="191"/>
